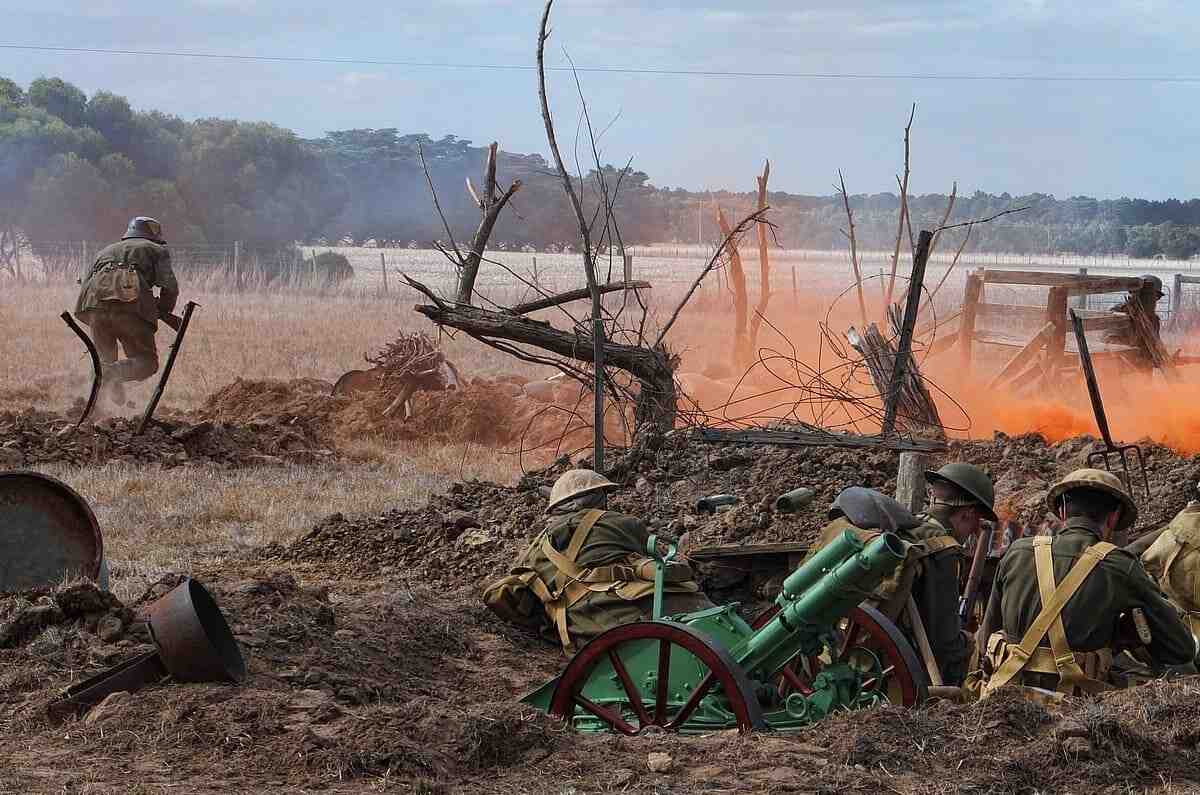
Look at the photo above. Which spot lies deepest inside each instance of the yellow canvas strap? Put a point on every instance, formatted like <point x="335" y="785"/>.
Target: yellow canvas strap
<point x="565" y="561"/>
<point x="1053" y="603"/>
<point x="938" y="543"/>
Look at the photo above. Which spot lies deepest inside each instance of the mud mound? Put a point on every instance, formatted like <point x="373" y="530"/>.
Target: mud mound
<point x="476" y="529"/>
<point x="44" y="636"/>
<point x="33" y="437"/>
<point x="483" y="412"/>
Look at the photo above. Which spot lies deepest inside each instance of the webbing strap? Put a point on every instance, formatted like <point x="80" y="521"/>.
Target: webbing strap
<point x="1051" y="609"/>
<point x="565" y="562"/>
<point x="1068" y="670"/>
<point x="938" y="543"/>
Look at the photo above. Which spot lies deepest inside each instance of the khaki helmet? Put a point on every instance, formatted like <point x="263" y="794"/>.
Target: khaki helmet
<point x="144" y="226"/>
<point x="574" y="482"/>
<point x="1098" y="480"/>
<point x="972" y="480"/>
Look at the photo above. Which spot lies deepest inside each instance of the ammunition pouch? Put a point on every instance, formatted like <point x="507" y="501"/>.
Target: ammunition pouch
<point x="1041" y="669"/>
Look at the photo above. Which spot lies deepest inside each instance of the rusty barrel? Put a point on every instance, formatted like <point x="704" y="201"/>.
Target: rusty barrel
<point x="48" y="532"/>
<point x="193" y="638"/>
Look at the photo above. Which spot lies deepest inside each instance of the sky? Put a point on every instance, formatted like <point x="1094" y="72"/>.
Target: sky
<point x="1101" y="138"/>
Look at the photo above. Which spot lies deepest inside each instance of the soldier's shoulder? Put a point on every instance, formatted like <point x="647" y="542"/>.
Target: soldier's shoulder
<point x="110" y="249"/>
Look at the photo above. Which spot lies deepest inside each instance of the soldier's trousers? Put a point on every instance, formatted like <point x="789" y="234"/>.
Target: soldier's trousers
<point x="136" y="338"/>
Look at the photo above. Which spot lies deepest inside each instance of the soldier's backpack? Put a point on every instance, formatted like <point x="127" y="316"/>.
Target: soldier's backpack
<point x="116" y="281"/>
<point x="1174" y="561"/>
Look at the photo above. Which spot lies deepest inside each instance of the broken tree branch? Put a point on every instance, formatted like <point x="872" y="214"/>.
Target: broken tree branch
<point x="903" y="209"/>
<point x="862" y="304"/>
<point x="574" y="295"/>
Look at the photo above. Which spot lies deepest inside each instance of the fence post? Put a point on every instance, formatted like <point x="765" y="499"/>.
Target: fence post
<point x="237" y="273"/>
<point x="1081" y="300"/>
<point x="383" y="270"/>
<point x="795" y="286"/>
<point x="1176" y="295"/>
<point x="628" y="278"/>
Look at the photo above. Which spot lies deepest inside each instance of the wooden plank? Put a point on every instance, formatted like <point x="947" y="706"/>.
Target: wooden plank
<point x="1075" y="283"/>
<point x="1056" y="313"/>
<point x="966" y="331"/>
<point x="1187" y="279"/>
<point x="1114" y="320"/>
<point x="1010" y="312"/>
<point x="910" y="481"/>
<point x="784" y="438"/>
<point x="1023" y="357"/>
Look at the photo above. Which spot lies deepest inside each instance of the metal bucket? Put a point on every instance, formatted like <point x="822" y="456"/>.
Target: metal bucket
<point x="193" y="638"/>
<point x="47" y="533"/>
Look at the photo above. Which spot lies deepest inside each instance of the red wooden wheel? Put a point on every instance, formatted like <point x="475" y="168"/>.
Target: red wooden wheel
<point x="864" y="629"/>
<point x="655" y="675"/>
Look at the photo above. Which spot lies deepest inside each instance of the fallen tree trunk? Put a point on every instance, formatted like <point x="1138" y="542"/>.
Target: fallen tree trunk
<point x="652" y="367"/>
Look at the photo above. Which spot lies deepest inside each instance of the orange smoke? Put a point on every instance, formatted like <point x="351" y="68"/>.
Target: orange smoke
<point x="1138" y="407"/>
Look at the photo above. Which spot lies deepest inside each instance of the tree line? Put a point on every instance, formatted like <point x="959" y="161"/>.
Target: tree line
<point x="74" y="167"/>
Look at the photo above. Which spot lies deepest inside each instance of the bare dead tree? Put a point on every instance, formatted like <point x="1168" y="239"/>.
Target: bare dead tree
<point x="490" y="205"/>
<point x="903" y="211"/>
<point x="764" y="262"/>
<point x="737" y="281"/>
<point x="862" y="304"/>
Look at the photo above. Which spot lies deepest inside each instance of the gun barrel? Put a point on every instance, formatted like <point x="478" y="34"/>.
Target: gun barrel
<point x="799" y="622"/>
<point x="821" y="563"/>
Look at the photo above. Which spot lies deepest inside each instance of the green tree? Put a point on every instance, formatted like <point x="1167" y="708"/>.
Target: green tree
<point x="59" y="98"/>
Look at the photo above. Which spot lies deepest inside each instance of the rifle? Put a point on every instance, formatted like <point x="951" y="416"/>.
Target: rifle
<point x="174" y="321"/>
<point x="983" y="545"/>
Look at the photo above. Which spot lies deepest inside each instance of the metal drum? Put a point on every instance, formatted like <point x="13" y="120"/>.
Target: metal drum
<point x="193" y="638"/>
<point x="48" y="533"/>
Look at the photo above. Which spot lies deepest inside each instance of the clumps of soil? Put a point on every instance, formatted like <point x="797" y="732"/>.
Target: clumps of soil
<point x="29" y="438"/>
<point x="487" y="412"/>
<point x="47" y="635"/>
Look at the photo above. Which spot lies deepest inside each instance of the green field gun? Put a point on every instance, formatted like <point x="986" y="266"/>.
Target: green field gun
<point x="814" y="652"/>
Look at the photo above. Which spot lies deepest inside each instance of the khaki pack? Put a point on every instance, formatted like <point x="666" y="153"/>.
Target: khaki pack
<point x="116" y="281"/>
<point x="1174" y="561"/>
<point x="547" y="591"/>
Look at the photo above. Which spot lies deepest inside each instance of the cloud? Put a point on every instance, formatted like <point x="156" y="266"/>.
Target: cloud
<point x="359" y="79"/>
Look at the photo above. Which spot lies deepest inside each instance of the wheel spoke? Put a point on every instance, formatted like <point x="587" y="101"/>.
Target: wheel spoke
<point x="664" y="681"/>
<point x="605" y="714"/>
<point x="851" y="636"/>
<point x="790" y="677"/>
<point x="631" y="691"/>
<point x="882" y="675"/>
<point x="693" y="701"/>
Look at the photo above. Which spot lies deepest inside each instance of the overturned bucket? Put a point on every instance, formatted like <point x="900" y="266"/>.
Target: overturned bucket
<point x="193" y="638"/>
<point x="48" y="533"/>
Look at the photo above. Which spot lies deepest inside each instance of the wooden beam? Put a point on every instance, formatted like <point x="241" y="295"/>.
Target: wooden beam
<point x="1073" y="281"/>
<point x="904" y="348"/>
<point x="910" y="481"/>
<point x="1010" y="312"/>
<point x="966" y="331"/>
<point x="1112" y="320"/>
<point x="1024" y="356"/>
<point x="782" y="438"/>
<point x="573" y="295"/>
<point x="1056" y="314"/>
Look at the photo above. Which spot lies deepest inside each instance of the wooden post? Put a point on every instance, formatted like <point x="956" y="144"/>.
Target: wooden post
<point x="628" y="278"/>
<point x="904" y="347"/>
<point x="966" y="333"/>
<point x="1176" y="296"/>
<point x="1081" y="300"/>
<point x="383" y="270"/>
<point x="910" y="481"/>
<point x="237" y="278"/>
<point x="1056" y="313"/>
<point x="796" y="286"/>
